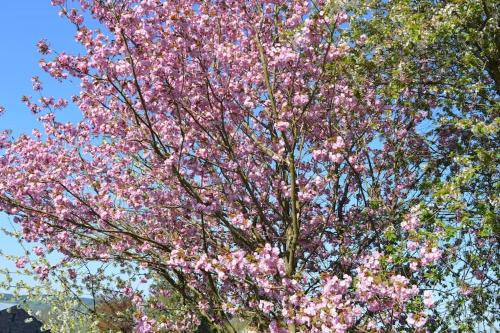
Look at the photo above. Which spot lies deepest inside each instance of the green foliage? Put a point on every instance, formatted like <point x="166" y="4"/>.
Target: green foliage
<point x="446" y="54"/>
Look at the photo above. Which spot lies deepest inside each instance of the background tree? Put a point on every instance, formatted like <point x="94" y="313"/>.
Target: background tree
<point x="446" y="53"/>
<point x="54" y="297"/>
<point x="115" y="316"/>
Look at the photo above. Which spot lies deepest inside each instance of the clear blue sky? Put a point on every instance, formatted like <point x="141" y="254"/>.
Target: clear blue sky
<point x="22" y="24"/>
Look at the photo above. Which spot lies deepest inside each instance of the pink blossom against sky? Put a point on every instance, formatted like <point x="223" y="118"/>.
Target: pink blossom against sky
<point x="22" y="25"/>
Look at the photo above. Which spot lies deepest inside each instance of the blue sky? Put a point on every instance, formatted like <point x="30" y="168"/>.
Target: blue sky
<point x="22" y="24"/>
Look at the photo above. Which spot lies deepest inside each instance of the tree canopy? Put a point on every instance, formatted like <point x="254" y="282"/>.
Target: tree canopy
<point x="296" y="166"/>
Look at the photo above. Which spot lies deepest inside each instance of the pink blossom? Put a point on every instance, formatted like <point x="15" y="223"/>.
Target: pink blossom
<point x="43" y="47"/>
<point x="428" y="300"/>
<point x="42" y="272"/>
<point x="282" y="125"/>
<point x="335" y="158"/>
<point x="72" y="274"/>
<point x="411" y="222"/>
<point x="21" y="262"/>
<point x="300" y="100"/>
<point x="38" y="250"/>
<point x="341" y="18"/>
<point x="417" y="321"/>
<point x="145" y="325"/>
<point x="37" y="85"/>
<point x="275" y="328"/>
<point x="338" y="144"/>
<point x="479" y="274"/>
<point x="411" y="245"/>
<point x="429" y="255"/>
<point x="266" y="306"/>
<point x="320" y="154"/>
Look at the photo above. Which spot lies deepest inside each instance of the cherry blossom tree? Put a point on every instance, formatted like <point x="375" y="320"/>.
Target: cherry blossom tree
<point x="227" y="149"/>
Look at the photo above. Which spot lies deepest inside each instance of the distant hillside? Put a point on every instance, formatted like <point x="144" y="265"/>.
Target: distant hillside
<point x="8" y="300"/>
